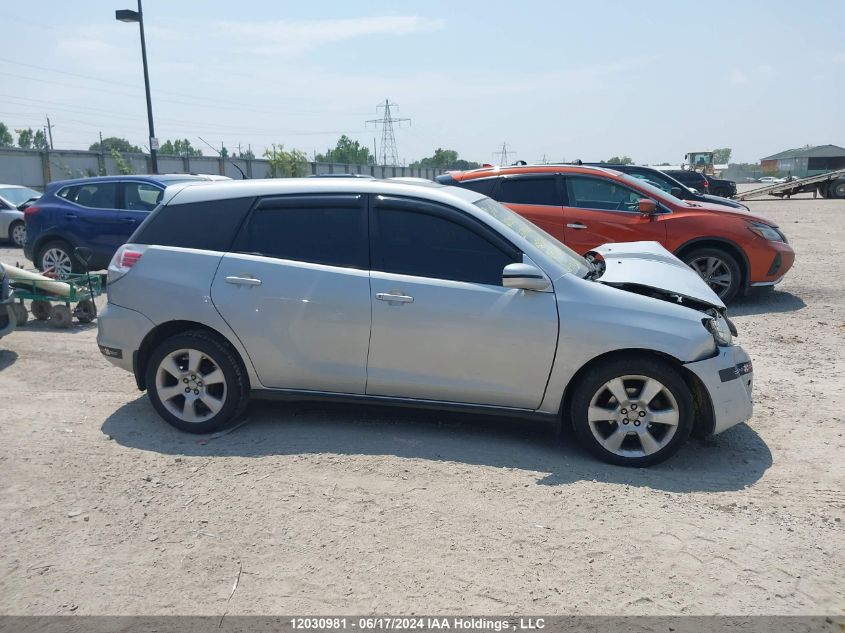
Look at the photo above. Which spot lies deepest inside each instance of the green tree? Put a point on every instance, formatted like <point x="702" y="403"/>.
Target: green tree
<point x="179" y="147"/>
<point x="25" y="138"/>
<point x="6" y="139"/>
<point x="122" y="166"/>
<point x="115" y="143"/>
<point x="619" y="160"/>
<point x="445" y="159"/>
<point x="346" y="151"/>
<point x="286" y="164"/>
<point x="722" y="156"/>
<point x="39" y="141"/>
<point x="247" y="153"/>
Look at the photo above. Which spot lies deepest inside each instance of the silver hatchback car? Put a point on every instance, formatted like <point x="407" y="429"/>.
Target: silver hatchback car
<point x="421" y="295"/>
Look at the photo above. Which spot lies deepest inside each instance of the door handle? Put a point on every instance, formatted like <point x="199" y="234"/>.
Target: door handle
<point x="576" y="225"/>
<point x="243" y="281"/>
<point x="129" y="220"/>
<point x="394" y="298"/>
<point x="70" y="216"/>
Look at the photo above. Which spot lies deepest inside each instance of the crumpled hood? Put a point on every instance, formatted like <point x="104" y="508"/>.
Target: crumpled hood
<point x="650" y="265"/>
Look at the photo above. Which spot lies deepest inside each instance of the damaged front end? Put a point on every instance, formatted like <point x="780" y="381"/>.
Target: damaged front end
<point x="648" y="269"/>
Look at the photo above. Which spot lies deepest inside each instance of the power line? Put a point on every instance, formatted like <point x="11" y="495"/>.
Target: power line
<point x="215" y="101"/>
<point x="389" y="153"/>
<point x="101" y="114"/>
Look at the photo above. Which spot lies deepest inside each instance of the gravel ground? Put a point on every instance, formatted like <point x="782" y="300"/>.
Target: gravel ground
<point x="105" y="509"/>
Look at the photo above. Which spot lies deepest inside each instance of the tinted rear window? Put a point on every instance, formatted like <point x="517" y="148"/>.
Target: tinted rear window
<point x="335" y="235"/>
<point x="484" y="186"/>
<point x="529" y="191"/>
<point x="210" y="225"/>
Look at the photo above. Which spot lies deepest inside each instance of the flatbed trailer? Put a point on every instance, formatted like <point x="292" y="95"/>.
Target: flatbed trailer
<point x="829" y="185"/>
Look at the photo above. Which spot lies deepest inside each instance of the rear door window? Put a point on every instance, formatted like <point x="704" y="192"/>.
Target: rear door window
<point x="330" y="230"/>
<point x="95" y="195"/>
<point x="529" y="190"/>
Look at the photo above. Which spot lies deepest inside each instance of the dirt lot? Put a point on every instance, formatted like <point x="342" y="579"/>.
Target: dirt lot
<point x="105" y="509"/>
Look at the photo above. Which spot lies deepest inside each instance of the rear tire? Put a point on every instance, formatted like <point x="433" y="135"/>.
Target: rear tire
<point x="40" y="309"/>
<point x="85" y="311"/>
<point x="17" y="233"/>
<point x="836" y="189"/>
<point x="196" y="383"/>
<point x="58" y="256"/>
<point x="718" y="268"/>
<point x="21" y="315"/>
<point x="60" y="317"/>
<point x="648" y="422"/>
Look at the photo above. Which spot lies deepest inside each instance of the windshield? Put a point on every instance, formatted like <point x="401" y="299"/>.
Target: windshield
<point x="657" y="192"/>
<point x="18" y="195"/>
<point x="570" y="260"/>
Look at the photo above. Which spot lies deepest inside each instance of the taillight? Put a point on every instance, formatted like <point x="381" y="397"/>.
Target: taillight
<point x="30" y="211"/>
<point x="124" y="259"/>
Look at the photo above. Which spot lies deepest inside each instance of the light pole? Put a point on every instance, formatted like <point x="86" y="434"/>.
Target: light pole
<point x="128" y="15"/>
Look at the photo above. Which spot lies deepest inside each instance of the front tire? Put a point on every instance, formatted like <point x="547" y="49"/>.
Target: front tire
<point x="719" y="270"/>
<point x="195" y="382"/>
<point x="632" y="411"/>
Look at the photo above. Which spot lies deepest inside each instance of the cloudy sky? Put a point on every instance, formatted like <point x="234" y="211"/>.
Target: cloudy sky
<point x="560" y="79"/>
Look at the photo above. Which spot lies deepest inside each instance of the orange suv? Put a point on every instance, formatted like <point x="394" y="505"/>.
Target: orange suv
<point x="585" y="207"/>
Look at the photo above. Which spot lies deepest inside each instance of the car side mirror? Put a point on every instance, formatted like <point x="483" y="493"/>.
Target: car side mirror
<point x="647" y="206"/>
<point x="524" y="276"/>
<point x="676" y="191"/>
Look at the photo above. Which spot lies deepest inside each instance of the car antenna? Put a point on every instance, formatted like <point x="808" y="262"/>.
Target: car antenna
<point x="220" y="154"/>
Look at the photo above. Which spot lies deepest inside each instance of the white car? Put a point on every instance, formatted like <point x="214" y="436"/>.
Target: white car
<point x="12" y="225"/>
<point x="771" y="180"/>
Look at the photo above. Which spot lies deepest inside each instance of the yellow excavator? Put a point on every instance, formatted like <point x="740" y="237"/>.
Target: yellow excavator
<point x="700" y="161"/>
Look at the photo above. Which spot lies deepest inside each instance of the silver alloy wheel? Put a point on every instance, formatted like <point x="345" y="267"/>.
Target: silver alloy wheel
<point x="57" y="261"/>
<point x="633" y="416"/>
<point x="191" y="385"/>
<point x="715" y="273"/>
<point x="18" y="234"/>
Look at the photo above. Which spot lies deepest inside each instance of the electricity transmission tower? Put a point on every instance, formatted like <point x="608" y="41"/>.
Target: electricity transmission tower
<point x="389" y="153"/>
<point x="503" y="154"/>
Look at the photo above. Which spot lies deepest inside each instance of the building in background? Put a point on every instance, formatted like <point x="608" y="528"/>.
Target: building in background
<point x="805" y="161"/>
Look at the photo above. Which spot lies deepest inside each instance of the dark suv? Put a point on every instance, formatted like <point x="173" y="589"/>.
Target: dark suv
<point x="98" y="213"/>
<point x="694" y="179"/>
<point x="722" y="187"/>
<point x="666" y="181"/>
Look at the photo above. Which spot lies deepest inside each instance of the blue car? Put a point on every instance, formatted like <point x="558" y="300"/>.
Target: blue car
<point x="98" y="213"/>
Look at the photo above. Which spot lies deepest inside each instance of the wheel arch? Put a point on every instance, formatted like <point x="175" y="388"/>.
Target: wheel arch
<point x="46" y="238"/>
<point x="719" y="242"/>
<point x="705" y="420"/>
<point x="171" y="328"/>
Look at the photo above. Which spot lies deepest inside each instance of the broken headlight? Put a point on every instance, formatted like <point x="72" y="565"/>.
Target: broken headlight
<point x="719" y="326"/>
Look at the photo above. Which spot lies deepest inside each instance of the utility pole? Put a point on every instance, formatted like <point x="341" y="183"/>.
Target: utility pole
<point x="50" y="127"/>
<point x="389" y="153"/>
<point x="503" y="154"/>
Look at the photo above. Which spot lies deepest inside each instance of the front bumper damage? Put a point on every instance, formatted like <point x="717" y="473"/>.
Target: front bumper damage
<point x="728" y="378"/>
